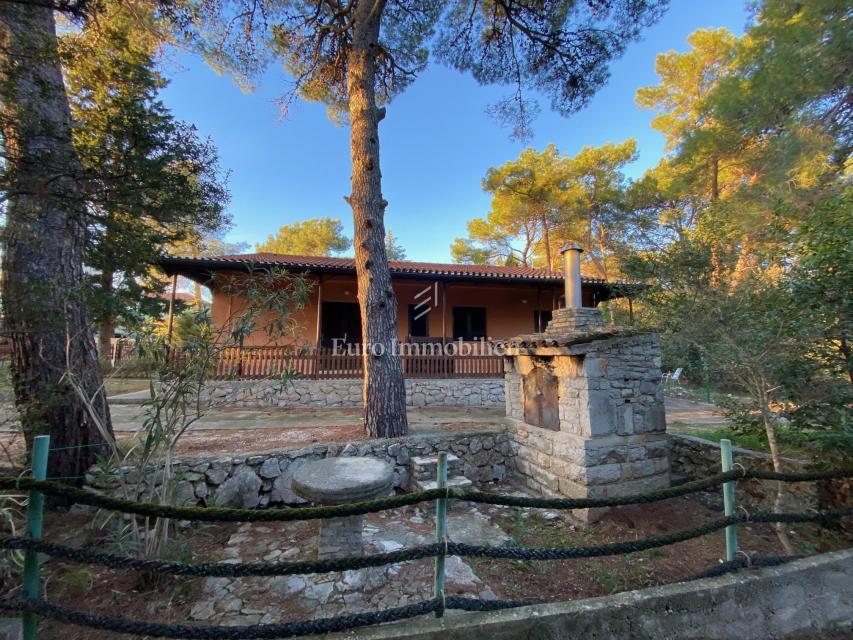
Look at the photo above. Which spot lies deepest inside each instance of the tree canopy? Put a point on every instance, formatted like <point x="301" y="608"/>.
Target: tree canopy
<point x="741" y="231"/>
<point x="151" y="181"/>
<point x="393" y="249"/>
<point x="312" y="237"/>
<point x="544" y="199"/>
<point x="748" y="260"/>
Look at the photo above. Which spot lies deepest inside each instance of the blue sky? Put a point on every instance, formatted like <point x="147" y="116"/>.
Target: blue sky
<point x="436" y="141"/>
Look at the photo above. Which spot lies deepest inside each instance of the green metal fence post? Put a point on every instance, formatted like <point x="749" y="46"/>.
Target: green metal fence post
<point x="35" y="519"/>
<point x="440" y="530"/>
<point x="728" y="499"/>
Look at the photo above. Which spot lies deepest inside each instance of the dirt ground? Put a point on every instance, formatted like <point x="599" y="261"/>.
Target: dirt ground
<point x="255" y="430"/>
<point x="213" y="441"/>
<point x="563" y="580"/>
<point x="169" y="599"/>
<point x="228" y="430"/>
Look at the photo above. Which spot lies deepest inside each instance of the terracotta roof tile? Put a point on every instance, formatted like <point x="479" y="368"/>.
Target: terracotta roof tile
<point x="397" y="266"/>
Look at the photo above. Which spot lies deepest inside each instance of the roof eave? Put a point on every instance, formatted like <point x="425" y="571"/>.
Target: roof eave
<point x="201" y="270"/>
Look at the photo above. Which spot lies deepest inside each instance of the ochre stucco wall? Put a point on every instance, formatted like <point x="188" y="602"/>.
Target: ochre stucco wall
<point x="509" y="307"/>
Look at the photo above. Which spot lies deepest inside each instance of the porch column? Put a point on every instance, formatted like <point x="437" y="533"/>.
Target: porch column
<point x="443" y="312"/>
<point x="447" y="363"/>
<point x="319" y="311"/>
<point x="538" y="328"/>
<point x="171" y="310"/>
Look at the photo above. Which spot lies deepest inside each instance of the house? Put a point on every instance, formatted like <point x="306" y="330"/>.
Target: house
<point x="445" y="302"/>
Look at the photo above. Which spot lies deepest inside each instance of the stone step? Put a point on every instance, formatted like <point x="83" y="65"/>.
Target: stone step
<point x="426" y="467"/>
<point x="456" y="482"/>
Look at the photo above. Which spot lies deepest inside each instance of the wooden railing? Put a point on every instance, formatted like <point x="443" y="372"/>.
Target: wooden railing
<point x="254" y="363"/>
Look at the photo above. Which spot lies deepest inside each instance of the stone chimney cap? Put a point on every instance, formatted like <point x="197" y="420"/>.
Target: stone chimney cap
<point x="571" y="246"/>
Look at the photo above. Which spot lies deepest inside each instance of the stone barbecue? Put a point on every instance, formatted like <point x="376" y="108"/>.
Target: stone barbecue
<point x="585" y="406"/>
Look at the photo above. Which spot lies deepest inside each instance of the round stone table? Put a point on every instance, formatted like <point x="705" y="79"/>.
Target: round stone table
<point x="339" y="481"/>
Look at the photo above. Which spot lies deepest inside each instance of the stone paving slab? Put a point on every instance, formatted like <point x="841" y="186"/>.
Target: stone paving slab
<point x="129" y="418"/>
<point x="243" y="601"/>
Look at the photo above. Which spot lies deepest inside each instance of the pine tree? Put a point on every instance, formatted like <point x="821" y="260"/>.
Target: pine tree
<point x="57" y="381"/>
<point x="313" y="237"/>
<point x="151" y="181"/>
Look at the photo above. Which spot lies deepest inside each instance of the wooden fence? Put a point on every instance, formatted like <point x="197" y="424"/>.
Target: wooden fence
<point x="255" y="363"/>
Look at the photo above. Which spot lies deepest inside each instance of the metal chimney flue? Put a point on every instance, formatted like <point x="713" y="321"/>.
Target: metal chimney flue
<point x="572" y="274"/>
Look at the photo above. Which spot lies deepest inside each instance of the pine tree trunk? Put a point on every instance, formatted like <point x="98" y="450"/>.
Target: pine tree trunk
<point x="746" y="262"/>
<point x="716" y="265"/>
<point x="384" y="387"/>
<point x="43" y="243"/>
<point x="715" y="180"/>
<point x="546" y="237"/>
<point x="847" y="358"/>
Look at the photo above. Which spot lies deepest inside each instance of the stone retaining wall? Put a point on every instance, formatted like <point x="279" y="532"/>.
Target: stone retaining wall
<point x="263" y="479"/>
<point x="811" y="597"/>
<point x="347" y="392"/>
<point x="534" y="459"/>
<point x="693" y="457"/>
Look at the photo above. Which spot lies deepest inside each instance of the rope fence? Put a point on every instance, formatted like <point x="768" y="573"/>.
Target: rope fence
<point x="222" y="514"/>
<point x="279" y="630"/>
<point x="31" y="606"/>
<point x="265" y="569"/>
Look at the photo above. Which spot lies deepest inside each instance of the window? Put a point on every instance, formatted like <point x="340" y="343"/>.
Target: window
<point x="418" y="321"/>
<point x="541" y="318"/>
<point x="469" y="323"/>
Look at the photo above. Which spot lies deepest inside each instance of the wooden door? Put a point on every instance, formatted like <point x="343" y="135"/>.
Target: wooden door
<point x="541" y="401"/>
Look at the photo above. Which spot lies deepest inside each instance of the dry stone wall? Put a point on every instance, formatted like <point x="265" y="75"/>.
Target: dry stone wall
<point x="250" y="481"/>
<point x="694" y="457"/>
<point x="347" y="392"/>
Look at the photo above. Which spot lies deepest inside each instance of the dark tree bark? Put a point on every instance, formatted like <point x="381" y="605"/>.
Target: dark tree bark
<point x="847" y="358"/>
<point x="715" y="180"/>
<point x="384" y="387"/>
<point x="546" y="238"/>
<point x="43" y="243"/>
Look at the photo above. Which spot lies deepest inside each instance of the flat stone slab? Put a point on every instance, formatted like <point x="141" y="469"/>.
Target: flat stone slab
<point x="10" y="629"/>
<point x="432" y="461"/>
<point x="456" y="482"/>
<point x="341" y="480"/>
<point x="473" y="527"/>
